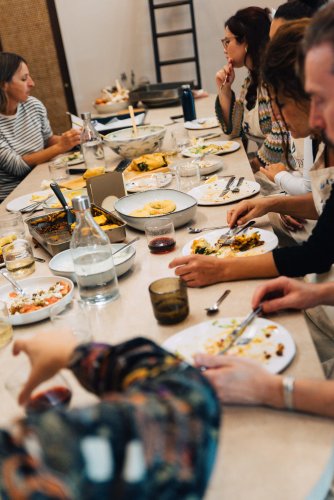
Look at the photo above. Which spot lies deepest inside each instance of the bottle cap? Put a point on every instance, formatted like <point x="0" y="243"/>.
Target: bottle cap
<point x="186" y="86"/>
<point x="86" y="116"/>
<point x="80" y="203"/>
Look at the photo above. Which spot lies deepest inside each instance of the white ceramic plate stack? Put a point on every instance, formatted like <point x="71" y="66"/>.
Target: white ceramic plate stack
<point x="272" y="346"/>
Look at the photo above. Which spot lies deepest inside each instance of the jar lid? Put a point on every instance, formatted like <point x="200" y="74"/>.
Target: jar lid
<point x="80" y="202"/>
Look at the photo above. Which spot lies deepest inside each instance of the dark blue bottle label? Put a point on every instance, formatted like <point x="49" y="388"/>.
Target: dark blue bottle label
<point x="188" y="105"/>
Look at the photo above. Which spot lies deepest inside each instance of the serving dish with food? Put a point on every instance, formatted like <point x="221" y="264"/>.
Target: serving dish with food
<point x="42" y="294"/>
<point x="62" y="263"/>
<point x="271" y="344"/>
<point x="52" y="232"/>
<point x="112" y="100"/>
<point x="129" y="145"/>
<point x="254" y="242"/>
<point x="210" y="193"/>
<point x="138" y="208"/>
<point x="211" y="147"/>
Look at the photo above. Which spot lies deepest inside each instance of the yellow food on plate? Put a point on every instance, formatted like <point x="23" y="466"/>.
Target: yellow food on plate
<point x="93" y="172"/>
<point x="153" y="208"/>
<point x="148" y="162"/>
<point x="39" y="197"/>
<point x="5" y="240"/>
<point x="238" y="245"/>
<point x="100" y="219"/>
<point x="213" y="178"/>
<point x="106" y="227"/>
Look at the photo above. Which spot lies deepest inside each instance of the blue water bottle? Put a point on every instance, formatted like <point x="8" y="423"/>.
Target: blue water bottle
<point x="188" y="104"/>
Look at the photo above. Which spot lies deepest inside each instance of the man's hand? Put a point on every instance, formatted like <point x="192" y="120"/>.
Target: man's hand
<point x="47" y="353"/>
<point x="248" y="210"/>
<point x="199" y="270"/>
<point x="68" y="140"/>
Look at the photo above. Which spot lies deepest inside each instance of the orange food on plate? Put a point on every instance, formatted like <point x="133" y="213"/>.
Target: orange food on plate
<point x="37" y="300"/>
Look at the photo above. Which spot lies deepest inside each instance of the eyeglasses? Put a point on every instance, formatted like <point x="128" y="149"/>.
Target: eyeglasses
<point x="227" y="40"/>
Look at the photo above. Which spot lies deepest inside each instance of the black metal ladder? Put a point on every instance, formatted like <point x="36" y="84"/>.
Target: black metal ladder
<point x="155" y="36"/>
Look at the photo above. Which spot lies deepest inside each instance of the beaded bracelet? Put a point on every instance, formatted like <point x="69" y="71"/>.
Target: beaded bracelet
<point x="288" y="388"/>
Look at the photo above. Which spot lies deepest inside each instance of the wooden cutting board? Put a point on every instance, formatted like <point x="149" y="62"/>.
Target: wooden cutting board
<point x="73" y="184"/>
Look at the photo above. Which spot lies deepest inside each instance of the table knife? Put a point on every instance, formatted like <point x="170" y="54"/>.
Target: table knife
<point x="227" y="187"/>
<point x="238" y="331"/>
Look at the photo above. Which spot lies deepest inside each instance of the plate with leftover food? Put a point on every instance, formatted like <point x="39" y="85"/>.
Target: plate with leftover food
<point x="210" y="193"/>
<point x="74" y="158"/>
<point x="253" y="242"/>
<point x="271" y="344"/>
<point x="207" y="165"/>
<point x="27" y="199"/>
<point x="211" y="147"/>
<point x="149" y="182"/>
<point x="54" y="203"/>
<point x="42" y="294"/>
<point x="202" y="123"/>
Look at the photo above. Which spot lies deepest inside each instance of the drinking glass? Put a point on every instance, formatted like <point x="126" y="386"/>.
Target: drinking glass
<point x="179" y="137"/>
<point x="187" y="176"/>
<point x="160" y="235"/>
<point x="12" y="224"/>
<point x="19" y="258"/>
<point x="6" y="329"/>
<point x="76" y="317"/>
<point x="58" y="170"/>
<point x="169" y="300"/>
<point x="50" y="394"/>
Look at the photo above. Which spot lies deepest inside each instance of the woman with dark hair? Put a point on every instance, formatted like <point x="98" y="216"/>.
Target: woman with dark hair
<point x="248" y="116"/>
<point x="26" y="138"/>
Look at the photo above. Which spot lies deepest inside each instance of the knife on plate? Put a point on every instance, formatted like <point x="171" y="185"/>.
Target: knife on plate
<point x="228" y="186"/>
<point x="239" y="330"/>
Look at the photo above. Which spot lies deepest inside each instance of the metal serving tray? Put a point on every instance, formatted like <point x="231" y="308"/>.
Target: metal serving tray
<point x="52" y="233"/>
<point x="155" y="95"/>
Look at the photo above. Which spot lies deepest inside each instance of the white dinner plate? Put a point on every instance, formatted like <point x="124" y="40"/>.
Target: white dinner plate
<point x="31" y="285"/>
<point x="202" y="123"/>
<point x="224" y="147"/>
<point x="25" y="200"/>
<point x="148" y="182"/>
<point x="265" y="347"/>
<point x="209" y="164"/>
<point x="74" y="159"/>
<point x="269" y="237"/>
<point x="54" y="204"/>
<point x="62" y="264"/>
<point x="209" y="193"/>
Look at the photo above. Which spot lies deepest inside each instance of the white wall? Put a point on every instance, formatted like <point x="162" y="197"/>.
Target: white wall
<point x="103" y="38"/>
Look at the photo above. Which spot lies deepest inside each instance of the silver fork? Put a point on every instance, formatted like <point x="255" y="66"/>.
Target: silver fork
<point x="195" y="230"/>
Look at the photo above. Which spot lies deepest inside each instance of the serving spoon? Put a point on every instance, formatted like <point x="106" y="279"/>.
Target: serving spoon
<point x="13" y="282"/>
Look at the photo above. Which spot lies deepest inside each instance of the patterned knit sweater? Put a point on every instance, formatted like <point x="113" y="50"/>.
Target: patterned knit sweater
<point x="274" y="131"/>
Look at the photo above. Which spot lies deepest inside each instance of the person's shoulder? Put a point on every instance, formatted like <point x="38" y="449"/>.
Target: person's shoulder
<point x="33" y="103"/>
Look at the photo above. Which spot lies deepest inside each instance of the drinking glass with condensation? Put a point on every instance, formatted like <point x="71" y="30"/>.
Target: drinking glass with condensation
<point x="59" y="170"/>
<point x="6" y="329"/>
<point x="54" y="393"/>
<point x="19" y="258"/>
<point x="160" y="235"/>
<point x="12" y="224"/>
<point x="169" y="300"/>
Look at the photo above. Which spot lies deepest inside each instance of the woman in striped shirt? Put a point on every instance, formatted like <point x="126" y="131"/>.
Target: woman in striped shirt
<point x="26" y="138"/>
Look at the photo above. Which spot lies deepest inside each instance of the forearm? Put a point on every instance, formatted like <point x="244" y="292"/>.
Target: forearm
<point x="311" y="396"/>
<point x="296" y="206"/>
<point x="225" y="101"/>
<point x="259" y="266"/>
<point x="42" y="156"/>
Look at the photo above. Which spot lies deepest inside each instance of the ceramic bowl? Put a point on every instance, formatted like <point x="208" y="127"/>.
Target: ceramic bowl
<point x="129" y="146"/>
<point x="185" y="210"/>
<point x="111" y="107"/>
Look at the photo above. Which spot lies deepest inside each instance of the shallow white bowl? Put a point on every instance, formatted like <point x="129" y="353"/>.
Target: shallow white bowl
<point x="124" y="143"/>
<point x="111" y="107"/>
<point x="186" y="207"/>
<point x="62" y="264"/>
<point x="32" y="285"/>
<point x="209" y="164"/>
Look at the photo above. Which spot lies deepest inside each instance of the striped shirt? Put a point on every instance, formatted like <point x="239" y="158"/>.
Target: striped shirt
<point x="25" y="132"/>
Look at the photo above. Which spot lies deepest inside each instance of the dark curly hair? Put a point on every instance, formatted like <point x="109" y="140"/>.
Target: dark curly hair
<point x="9" y="64"/>
<point x="251" y="25"/>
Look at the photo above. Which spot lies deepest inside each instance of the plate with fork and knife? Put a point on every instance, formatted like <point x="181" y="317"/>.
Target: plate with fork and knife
<point x="237" y="242"/>
<point x="264" y="341"/>
<point x="224" y="191"/>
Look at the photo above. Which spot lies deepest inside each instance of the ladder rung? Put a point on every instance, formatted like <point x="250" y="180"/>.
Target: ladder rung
<point x="177" y="61"/>
<point x="171" y="4"/>
<point x="176" y="32"/>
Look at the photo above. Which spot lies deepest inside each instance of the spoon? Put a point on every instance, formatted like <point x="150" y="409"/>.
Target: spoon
<point x="15" y="284"/>
<point x="70" y="217"/>
<point x="126" y="246"/>
<point x="214" y="308"/>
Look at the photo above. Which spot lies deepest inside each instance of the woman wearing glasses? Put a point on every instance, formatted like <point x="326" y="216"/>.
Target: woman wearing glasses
<point x="249" y="115"/>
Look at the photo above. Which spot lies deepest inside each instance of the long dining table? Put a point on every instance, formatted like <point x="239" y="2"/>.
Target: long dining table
<point x="263" y="453"/>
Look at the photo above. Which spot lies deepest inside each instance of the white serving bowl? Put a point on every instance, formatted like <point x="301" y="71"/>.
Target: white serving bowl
<point x="186" y="207"/>
<point x="209" y="164"/>
<point x="32" y="285"/>
<point x="129" y="146"/>
<point x="111" y="107"/>
<point x="62" y="265"/>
